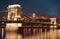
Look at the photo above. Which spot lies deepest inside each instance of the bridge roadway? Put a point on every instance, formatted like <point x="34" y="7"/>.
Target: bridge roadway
<point x="3" y="22"/>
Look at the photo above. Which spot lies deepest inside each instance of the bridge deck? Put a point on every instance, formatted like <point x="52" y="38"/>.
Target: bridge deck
<point x="3" y="22"/>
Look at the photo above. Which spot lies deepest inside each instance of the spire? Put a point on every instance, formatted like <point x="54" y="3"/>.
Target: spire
<point x="33" y="15"/>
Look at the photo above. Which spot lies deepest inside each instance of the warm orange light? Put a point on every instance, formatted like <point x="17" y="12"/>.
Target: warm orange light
<point x="11" y="27"/>
<point x="15" y="19"/>
<point x="51" y="26"/>
<point x="19" y="24"/>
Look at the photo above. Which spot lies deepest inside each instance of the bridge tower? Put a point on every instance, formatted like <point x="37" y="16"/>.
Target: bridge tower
<point x="14" y="12"/>
<point x="13" y="15"/>
<point x="53" y="21"/>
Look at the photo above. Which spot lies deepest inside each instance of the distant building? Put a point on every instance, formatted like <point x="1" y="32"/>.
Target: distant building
<point x="33" y="16"/>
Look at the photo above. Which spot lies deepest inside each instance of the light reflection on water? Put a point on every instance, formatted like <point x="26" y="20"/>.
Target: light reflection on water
<point x="34" y="34"/>
<point x="12" y="35"/>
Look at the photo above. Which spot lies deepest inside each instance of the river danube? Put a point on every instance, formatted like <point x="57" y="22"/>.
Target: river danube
<point x="33" y="33"/>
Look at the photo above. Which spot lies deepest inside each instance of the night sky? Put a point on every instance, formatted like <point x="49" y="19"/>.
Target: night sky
<point x="40" y="7"/>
